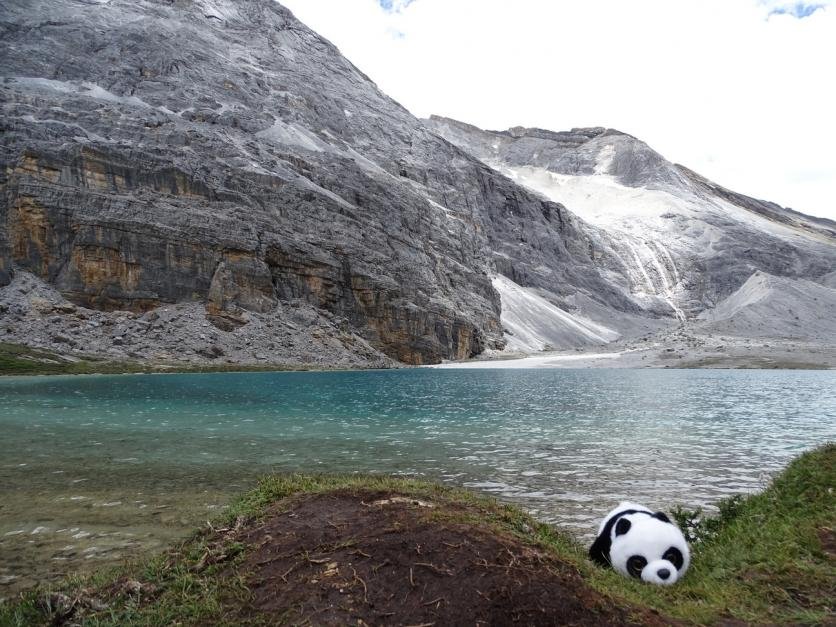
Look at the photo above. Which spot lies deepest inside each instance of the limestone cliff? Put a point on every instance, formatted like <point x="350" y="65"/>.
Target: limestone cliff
<point x="219" y="152"/>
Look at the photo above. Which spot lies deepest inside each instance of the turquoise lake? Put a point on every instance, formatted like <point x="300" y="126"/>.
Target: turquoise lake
<point x="94" y="469"/>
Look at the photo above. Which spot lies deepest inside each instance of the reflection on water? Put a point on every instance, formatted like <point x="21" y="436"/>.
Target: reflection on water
<point x="94" y="469"/>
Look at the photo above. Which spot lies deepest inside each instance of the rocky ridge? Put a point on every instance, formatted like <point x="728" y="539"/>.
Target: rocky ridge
<point x="675" y="240"/>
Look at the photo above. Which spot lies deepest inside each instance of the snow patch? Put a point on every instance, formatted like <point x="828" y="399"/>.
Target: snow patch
<point x="660" y="214"/>
<point x="292" y="135"/>
<point x="605" y="159"/>
<point x="534" y="324"/>
<point x="81" y="88"/>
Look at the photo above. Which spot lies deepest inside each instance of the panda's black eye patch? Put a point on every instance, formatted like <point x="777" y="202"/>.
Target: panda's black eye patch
<point x="635" y="566"/>
<point x="674" y="556"/>
<point x="622" y="526"/>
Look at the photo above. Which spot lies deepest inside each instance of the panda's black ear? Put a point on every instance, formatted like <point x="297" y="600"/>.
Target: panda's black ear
<point x="622" y="526"/>
<point x="662" y="516"/>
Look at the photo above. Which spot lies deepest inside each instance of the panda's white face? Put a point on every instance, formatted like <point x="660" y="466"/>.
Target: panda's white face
<point x="649" y="548"/>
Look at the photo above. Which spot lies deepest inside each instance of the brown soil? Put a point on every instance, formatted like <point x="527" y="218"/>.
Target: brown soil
<point x="381" y="559"/>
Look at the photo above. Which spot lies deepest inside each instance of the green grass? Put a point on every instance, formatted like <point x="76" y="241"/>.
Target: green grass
<point x="763" y="559"/>
<point x="16" y="359"/>
<point x="760" y="561"/>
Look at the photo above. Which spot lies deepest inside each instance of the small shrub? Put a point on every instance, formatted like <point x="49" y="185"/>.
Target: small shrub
<point x="697" y="527"/>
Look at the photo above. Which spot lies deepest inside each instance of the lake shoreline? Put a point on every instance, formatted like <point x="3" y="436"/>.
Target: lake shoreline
<point x="101" y="468"/>
<point x="376" y="539"/>
<point x="675" y="351"/>
<point x="20" y="360"/>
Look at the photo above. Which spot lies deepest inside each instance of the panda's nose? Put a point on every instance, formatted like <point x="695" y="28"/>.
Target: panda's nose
<point x="663" y="573"/>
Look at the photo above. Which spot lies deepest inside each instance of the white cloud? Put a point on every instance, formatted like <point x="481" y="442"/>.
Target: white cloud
<point x="731" y="88"/>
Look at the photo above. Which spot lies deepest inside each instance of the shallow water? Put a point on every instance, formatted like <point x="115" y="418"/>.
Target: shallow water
<point x="97" y="468"/>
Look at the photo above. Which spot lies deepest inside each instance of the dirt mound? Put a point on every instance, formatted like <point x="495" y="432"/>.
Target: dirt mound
<point x="380" y="558"/>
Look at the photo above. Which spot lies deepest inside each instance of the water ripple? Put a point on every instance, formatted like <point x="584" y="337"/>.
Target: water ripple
<point x="565" y="444"/>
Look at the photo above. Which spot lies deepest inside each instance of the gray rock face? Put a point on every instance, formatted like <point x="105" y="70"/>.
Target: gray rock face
<point x="222" y="153"/>
<point x="221" y="160"/>
<point x="672" y="235"/>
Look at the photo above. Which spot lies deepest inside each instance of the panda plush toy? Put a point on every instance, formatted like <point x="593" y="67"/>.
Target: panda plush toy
<point x="642" y="544"/>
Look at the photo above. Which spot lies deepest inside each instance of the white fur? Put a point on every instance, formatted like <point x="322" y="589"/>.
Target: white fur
<point x="650" y="538"/>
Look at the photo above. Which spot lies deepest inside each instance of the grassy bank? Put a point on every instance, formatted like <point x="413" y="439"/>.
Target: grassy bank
<point x="16" y="359"/>
<point x="769" y="558"/>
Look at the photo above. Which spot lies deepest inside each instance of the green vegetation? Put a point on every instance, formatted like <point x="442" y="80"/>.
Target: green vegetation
<point x="767" y="558"/>
<point x="770" y="557"/>
<point x="16" y="359"/>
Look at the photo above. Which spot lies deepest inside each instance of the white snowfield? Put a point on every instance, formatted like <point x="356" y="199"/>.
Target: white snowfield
<point x="533" y="324"/>
<point x="538" y="361"/>
<point x="657" y="234"/>
<point x="638" y="220"/>
<point x="645" y="213"/>
<point x="650" y="230"/>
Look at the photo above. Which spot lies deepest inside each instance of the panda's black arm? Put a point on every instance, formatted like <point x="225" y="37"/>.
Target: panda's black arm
<point x="599" y="552"/>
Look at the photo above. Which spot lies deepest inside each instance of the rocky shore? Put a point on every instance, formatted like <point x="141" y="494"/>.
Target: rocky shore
<point x="34" y="314"/>
<point x="684" y="347"/>
<point x="296" y="335"/>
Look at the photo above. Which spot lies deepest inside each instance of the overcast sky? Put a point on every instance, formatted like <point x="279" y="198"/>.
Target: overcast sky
<point x="742" y="91"/>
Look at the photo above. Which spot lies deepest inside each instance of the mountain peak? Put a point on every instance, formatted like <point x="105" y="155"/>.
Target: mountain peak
<point x="580" y="151"/>
<point x="573" y="136"/>
<point x="680" y="240"/>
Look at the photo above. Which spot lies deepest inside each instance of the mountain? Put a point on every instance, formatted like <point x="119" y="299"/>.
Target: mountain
<point x="221" y="155"/>
<point x="209" y="180"/>
<point x="673" y="239"/>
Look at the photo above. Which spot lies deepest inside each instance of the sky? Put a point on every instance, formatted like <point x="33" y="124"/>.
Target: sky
<point x="742" y="91"/>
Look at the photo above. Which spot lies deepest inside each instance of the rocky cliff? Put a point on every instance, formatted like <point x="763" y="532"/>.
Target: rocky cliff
<point x="221" y="153"/>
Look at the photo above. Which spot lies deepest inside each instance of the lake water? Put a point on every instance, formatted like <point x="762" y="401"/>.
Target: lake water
<point x="97" y="468"/>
